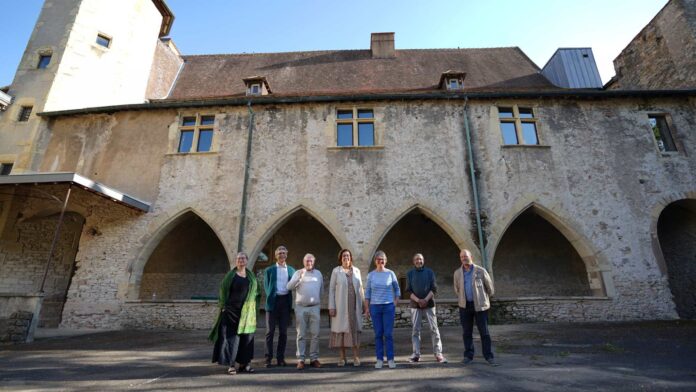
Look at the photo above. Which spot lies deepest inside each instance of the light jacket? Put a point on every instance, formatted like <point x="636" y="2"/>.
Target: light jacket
<point x="338" y="299"/>
<point x="482" y="288"/>
<point x="270" y="276"/>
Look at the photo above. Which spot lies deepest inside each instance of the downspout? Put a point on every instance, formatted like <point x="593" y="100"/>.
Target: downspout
<point x="474" y="187"/>
<point x="242" y="213"/>
<point x="56" y="234"/>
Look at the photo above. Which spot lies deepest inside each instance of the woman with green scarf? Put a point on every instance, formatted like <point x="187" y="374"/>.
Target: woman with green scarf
<point x="233" y="332"/>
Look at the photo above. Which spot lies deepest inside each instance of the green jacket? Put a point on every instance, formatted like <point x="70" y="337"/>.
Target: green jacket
<point x="247" y="321"/>
<point x="270" y="275"/>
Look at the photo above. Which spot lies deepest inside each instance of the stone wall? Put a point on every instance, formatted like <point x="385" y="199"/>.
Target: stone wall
<point x="168" y="315"/>
<point x="19" y="313"/>
<point x="663" y="54"/>
<point x="166" y="286"/>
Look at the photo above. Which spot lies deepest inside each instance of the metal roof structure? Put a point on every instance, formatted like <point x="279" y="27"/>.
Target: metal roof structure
<point x="78" y="180"/>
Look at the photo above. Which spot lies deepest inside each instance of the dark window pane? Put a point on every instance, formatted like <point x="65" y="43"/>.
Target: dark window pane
<point x="344" y="114"/>
<point x="188" y="121"/>
<point x="454" y="84"/>
<point x="365" y="113"/>
<point x="185" y="141"/>
<point x="505" y="112"/>
<point x="526" y="113"/>
<point x="662" y="133"/>
<point x="509" y="134"/>
<point x="103" y="41"/>
<point x="529" y="133"/>
<point x="344" y="135"/>
<point x="44" y="60"/>
<point x="205" y="140"/>
<point x="5" y="169"/>
<point x="24" y="113"/>
<point x="366" y="134"/>
<point x="207" y="120"/>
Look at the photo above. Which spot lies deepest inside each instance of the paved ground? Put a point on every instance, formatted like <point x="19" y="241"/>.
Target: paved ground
<point x="651" y="356"/>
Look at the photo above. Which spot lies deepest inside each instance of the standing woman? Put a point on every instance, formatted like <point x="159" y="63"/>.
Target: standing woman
<point x="381" y="294"/>
<point x="233" y="332"/>
<point x="346" y="307"/>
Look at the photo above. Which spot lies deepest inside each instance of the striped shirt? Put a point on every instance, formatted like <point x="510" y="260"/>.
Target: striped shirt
<point x="382" y="287"/>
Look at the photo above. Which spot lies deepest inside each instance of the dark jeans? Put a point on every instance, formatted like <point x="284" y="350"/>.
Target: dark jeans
<point x="280" y="316"/>
<point x="466" y="317"/>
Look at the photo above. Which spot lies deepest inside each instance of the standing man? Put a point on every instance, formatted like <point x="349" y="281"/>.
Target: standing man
<point x="278" y="304"/>
<point x="473" y="287"/>
<point x="422" y="288"/>
<point x="308" y="284"/>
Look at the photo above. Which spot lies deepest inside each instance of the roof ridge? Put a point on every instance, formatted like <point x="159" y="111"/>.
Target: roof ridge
<point x="347" y="50"/>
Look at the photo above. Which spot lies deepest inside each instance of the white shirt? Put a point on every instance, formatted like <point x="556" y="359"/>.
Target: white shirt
<point x="282" y="279"/>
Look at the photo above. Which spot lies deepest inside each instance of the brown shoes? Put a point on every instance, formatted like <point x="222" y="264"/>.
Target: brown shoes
<point x="315" y="363"/>
<point x="300" y="365"/>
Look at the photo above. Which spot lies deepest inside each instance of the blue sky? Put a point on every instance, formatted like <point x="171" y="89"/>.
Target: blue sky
<point x="538" y="27"/>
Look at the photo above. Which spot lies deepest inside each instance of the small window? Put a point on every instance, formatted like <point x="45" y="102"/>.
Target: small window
<point x="24" y="113"/>
<point x="255" y="89"/>
<point x="454" y="84"/>
<point x="662" y="132"/>
<point x="518" y="125"/>
<point x="355" y="127"/>
<point x="5" y="169"/>
<point x="44" y="61"/>
<point x="103" y="40"/>
<point x="196" y="131"/>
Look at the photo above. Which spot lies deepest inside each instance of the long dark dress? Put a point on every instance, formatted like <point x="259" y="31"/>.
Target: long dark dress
<point x="229" y="346"/>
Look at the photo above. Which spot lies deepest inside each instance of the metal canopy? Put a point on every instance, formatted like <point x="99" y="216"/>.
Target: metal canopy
<point x="78" y="180"/>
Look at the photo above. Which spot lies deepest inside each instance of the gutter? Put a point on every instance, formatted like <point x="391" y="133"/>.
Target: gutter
<point x="474" y="188"/>
<point x="275" y="100"/>
<point x="247" y="165"/>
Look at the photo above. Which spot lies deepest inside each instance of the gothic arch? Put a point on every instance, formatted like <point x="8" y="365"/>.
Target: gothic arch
<point x="597" y="267"/>
<point x="162" y="226"/>
<point x="455" y="232"/>
<point x="655" y="216"/>
<point x="264" y="232"/>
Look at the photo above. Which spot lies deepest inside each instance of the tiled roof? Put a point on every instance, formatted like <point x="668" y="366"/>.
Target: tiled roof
<point x="356" y="72"/>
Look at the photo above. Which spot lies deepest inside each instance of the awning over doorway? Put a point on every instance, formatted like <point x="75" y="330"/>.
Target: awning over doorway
<point x="77" y="180"/>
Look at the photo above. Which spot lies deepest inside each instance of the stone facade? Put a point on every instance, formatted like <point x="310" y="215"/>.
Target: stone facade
<point x="569" y="225"/>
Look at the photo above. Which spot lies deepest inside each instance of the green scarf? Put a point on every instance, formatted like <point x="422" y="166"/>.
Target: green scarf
<point x="247" y="321"/>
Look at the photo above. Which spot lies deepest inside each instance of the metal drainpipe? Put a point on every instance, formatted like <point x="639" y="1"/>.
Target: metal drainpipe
<point x="242" y="213"/>
<point x="484" y="259"/>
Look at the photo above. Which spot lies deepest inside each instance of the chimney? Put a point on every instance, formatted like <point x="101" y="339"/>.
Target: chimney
<point x="382" y="46"/>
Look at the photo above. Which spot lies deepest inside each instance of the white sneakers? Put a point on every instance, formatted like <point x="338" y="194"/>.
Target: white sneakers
<point x="390" y="363"/>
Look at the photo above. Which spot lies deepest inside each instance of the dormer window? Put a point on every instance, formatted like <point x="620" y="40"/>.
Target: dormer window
<point x="257" y="85"/>
<point x="452" y="80"/>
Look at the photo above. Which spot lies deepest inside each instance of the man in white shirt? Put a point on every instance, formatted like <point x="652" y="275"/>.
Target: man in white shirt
<point x="278" y="304"/>
<point x="308" y="285"/>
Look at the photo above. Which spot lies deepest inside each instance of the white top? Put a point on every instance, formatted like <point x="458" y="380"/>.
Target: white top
<point x="282" y="279"/>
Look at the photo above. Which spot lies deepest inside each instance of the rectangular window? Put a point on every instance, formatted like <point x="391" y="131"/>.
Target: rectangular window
<point x="24" y="113"/>
<point x="103" y="40"/>
<point x="518" y="125"/>
<point x="355" y="127"/>
<point x="196" y="131"/>
<point x="5" y="169"/>
<point x="662" y="132"/>
<point x="44" y="60"/>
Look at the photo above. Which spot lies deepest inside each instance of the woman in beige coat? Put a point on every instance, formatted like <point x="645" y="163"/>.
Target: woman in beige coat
<point x="346" y="307"/>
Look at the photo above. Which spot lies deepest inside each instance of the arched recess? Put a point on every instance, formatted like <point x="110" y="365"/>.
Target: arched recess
<point x="183" y="259"/>
<point x="538" y="254"/>
<point x="306" y="220"/>
<point x="419" y="230"/>
<point x="676" y="233"/>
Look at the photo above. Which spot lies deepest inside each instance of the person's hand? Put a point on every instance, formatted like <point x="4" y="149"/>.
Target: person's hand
<point x="302" y="271"/>
<point x="422" y="303"/>
<point x="332" y="312"/>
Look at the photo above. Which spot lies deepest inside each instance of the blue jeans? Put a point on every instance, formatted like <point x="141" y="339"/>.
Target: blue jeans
<point x="383" y="323"/>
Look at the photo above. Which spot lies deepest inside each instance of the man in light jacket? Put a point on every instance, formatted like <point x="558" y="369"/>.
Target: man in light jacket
<point x="307" y="284"/>
<point x="473" y="287"/>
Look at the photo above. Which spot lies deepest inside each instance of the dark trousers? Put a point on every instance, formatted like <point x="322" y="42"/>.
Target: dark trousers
<point x="466" y="317"/>
<point x="280" y="316"/>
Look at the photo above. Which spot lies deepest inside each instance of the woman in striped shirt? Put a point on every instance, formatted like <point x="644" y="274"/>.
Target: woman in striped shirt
<point x="381" y="293"/>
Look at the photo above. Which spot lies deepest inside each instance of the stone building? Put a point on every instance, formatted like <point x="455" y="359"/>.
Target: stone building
<point x="579" y="199"/>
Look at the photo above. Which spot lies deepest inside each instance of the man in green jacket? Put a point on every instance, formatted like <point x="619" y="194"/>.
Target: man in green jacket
<point x="278" y="304"/>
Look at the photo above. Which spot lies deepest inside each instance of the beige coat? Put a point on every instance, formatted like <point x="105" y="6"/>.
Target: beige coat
<point x="482" y="287"/>
<point x="338" y="299"/>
